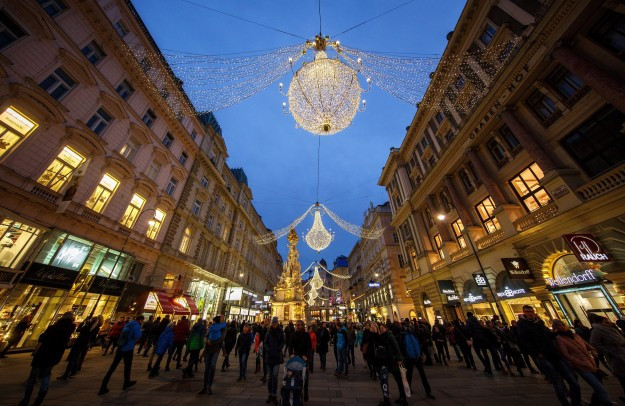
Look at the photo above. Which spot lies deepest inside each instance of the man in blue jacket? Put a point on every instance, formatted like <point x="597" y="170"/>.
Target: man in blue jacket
<point x="411" y="350"/>
<point x="126" y="346"/>
<point x="342" y="349"/>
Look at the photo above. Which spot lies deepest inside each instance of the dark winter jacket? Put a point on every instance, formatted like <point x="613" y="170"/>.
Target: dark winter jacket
<point x="52" y="343"/>
<point x="244" y="343"/>
<point x="274" y="345"/>
<point x="410" y="345"/>
<point x="323" y="338"/>
<point x="387" y="351"/>
<point x="475" y="331"/>
<point x="301" y="343"/>
<point x="231" y="337"/>
<point x="536" y="338"/>
<point x="181" y="331"/>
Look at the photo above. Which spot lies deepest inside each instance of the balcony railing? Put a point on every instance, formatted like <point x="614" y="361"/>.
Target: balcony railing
<point x="45" y="193"/>
<point x="536" y="217"/>
<point x="604" y="183"/>
<point x="490" y="239"/>
<point x="459" y="254"/>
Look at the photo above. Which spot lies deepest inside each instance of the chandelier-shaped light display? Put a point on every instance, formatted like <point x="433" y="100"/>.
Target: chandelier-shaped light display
<point x="324" y="94"/>
<point x="371" y="233"/>
<point x="318" y="238"/>
<point x="316" y="283"/>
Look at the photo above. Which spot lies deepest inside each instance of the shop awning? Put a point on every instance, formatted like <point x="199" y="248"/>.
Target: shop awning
<point x="192" y="306"/>
<point x="179" y="305"/>
<point x="164" y="301"/>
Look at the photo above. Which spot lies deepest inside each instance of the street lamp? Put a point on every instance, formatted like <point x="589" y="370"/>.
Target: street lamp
<point x="151" y="222"/>
<point x="441" y="217"/>
<point x="376" y="274"/>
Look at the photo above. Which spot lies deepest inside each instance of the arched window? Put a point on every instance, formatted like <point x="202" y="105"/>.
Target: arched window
<point x="186" y="241"/>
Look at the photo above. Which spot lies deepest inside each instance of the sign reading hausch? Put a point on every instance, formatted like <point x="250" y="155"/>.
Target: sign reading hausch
<point x="517" y="268"/>
<point x="586" y="248"/>
<point x="576" y="278"/>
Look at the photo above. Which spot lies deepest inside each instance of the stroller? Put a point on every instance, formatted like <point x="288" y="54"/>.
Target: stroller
<point x="292" y="391"/>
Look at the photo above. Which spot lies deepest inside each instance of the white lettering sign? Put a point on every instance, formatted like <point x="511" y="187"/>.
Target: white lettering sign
<point x="472" y="298"/>
<point x="511" y="292"/>
<point x="587" y="276"/>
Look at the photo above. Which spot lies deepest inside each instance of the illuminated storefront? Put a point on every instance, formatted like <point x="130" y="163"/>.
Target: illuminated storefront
<point x="429" y="310"/>
<point x="475" y="300"/>
<point x="206" y="297"/>
<point x="513" y="294"/>
<point x="69" y="273"/>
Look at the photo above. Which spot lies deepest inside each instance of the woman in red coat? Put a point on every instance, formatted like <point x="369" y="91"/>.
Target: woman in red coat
<point x="311" y="357"/>
<point x="579" y="354"/>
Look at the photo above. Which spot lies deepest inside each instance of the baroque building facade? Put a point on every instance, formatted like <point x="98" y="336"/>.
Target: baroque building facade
<point x="101" y="155"/>
<point x="377" y="290"/>
<point x="506" y="189"/>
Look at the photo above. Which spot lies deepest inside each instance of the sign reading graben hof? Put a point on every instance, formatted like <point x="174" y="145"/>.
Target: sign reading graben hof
<point x="586" y="248"/>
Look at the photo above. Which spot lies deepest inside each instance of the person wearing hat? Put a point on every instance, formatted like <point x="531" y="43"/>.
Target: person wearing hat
<point x="50" y="348"/>
<point x="274" y="356"/>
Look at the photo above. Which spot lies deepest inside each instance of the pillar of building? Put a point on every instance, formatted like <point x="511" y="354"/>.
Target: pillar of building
<point x="505" y="212"/>
<point x="606" y="84"/>
<point x="528" y="141"/>
<point x="429" y="256"/>
<point x="404" y="181"/>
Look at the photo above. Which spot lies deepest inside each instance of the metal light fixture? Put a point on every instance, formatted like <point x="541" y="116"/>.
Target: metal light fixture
<point x="441" y="217"/>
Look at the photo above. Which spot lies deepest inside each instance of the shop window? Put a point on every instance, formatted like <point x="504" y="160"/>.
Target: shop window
<point x="124" y="90"/>
<point x="130" y="148"/>
<point x="99" y="121"/>
<point x="132" y="211"/>
<point x="511" y="141"/>
<point x="543" y="107"/>
<point x="527" y="187"/>
<point x="168" y="140"/>
<point x="93" y="52"/>
<point x="14" y="127"/>
<point x="171" y="186"/>
<point x="487" y="35"/>
<point x="197" y="207"/>
<point x="497" y="152"/>
<point x="102" y="193"/>
<point x="565" y="83"/>
<point x="485" y="210"/>
<point x="183" y="158"/>
<point x="58" y="84"/>
<point x="61" y="169"/>
<point x="610" y="31"/>
<point x="598" y="144"/>
<point x="155" y="224"/>
<point x="15" y="241"/>
<point x="10" y="31"/>
<point x="458" y="228"/>
<point x="186" y="241"/>
<point x="438" y="242"/>
<point x="68" y="252"/>
<point x="121" y="28"/>
<point x="149" y="118"/>
<point x="154" y="169"/>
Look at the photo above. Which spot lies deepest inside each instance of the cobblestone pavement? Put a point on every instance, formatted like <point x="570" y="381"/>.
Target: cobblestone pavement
<point x="452" y="385"/>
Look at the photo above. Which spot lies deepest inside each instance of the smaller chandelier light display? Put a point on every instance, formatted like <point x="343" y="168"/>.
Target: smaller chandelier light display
<point x="324" y="94"/>
<point x="316" y="284"/>
<point x="318" y="238"/>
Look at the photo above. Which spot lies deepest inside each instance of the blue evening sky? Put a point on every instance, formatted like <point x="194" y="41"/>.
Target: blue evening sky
<point x="281" y="161"/>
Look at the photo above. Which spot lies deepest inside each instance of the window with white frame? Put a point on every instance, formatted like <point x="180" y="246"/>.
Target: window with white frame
<point x="154" y="169"/>
<point x="124" y="90"/>
<point x="58" y="84"/>
<point x="52" y="7"/>
<point x="99" y="121"/>
<point x="10" y="31"/>
<point x="102" y="193"/>
<point x="93" y="52"/>
<point x="60" y="170"/>
<point x="132" y="211"/>
<point x="485" y="210"/>
<point x="171" y="186"/>
<point x="130" y="148"/>
<point x="149" y="118"/>
<point x="204" y="182"/>
<point x="121" y="28"/>
<point x="168" y="140"/>
<point x="183" y="158"/>
<point x="197" y="207"/>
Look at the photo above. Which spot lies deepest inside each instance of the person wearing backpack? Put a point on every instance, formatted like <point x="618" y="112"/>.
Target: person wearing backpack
<point x="126" y="346"/>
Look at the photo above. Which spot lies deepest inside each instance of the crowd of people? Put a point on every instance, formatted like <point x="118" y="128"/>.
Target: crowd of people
<point x="563" y="355"/>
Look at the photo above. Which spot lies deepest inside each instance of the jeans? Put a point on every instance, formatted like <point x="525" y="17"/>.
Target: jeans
<point x="352" y="358"/>
<point x="210" y="360"/>
<point x="178" y="351"/>
<point x="482" y="354"/>
<point x="383" y="372"/>
<point x="557" y="372"/>
<point x="322" y="360"/>
<point x="458" y="352"/>
<point x="343" y="363"/>
<point x="243" y="364"/>
<point x="194" y="356"/>
<point x="41" y="373"/>
<point x="600" y="395"/>
<point x="119" y="355"/>
<point x="311" y="360"/>
<point x="272" y="382"/>
<point x="157" y="365"/>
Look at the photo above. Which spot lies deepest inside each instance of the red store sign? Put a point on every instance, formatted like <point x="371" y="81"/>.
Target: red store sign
<point x="586" y="248"/>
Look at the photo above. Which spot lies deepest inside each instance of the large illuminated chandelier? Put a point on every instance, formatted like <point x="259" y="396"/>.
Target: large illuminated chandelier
<point x="316" y="284"/>
<point x="318" y="238"/>
<point x="324" y="94"/>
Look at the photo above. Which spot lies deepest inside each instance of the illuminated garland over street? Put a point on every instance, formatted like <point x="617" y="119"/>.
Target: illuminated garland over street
<point x="316" y="283"/>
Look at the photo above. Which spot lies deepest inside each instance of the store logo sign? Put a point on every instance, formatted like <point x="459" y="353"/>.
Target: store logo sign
<point x="586" y="248"/>
<point x="473" y="299"/>
<point x="447" y="287"/>
<point x="427" y="302"/>
<point x="480" y="280"/>
<point x="373" y="284"/>
<point x="511" y="292"/>
<point x="576" y="278"/>
<point x="517" y="268"/>
<point x="453" y="298"/>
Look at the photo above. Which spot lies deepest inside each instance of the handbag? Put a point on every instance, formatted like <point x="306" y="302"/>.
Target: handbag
<point x="404" y="381"/>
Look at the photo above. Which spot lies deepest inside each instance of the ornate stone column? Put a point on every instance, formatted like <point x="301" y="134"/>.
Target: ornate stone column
<point x="404" y="181"/>
<point x="605" y="83"/>
<point x="528" y="141"/>
<point x="461" y="209"/>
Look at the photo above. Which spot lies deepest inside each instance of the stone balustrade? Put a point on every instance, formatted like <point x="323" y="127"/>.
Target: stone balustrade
<point x="489" y="239"/>
<point x="536" y="217"/>
<point x="459" y="254"/>
<point x="602" y="184"/>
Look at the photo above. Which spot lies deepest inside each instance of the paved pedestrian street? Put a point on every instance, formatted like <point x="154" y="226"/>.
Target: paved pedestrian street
<point x="452" y="385"/>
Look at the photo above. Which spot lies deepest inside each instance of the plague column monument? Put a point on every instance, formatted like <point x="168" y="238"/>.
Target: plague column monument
<point x="288" y="300"/>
